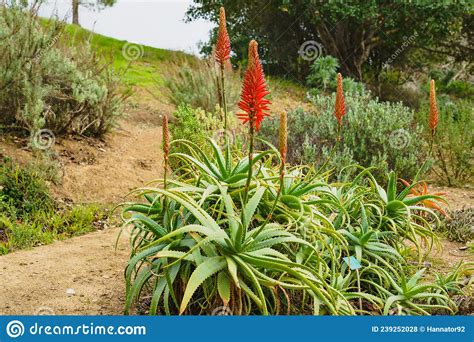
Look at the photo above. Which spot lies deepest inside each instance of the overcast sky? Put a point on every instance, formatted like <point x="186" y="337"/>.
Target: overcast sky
<point x="158" y="23"/>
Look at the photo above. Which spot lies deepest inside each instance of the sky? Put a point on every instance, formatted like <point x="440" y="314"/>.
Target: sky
<point x="157" y="23"/>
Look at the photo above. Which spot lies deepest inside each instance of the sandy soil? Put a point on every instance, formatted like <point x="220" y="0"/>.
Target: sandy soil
<point x="457" y="198"/>
<point x="37" y="281"/>
<point x="79" y="276"/>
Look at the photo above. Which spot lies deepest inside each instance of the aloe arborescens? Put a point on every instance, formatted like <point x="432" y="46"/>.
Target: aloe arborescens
<point x="253" y="102"/>
<point x="222" y="56"/>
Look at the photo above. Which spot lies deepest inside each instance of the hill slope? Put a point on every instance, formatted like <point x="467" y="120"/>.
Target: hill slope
<point x="139" y="63"/>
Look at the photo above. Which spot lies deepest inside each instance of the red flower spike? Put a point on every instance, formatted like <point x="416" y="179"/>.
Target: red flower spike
<point x="340" y="108"/>
<point x="433" y="120"/>
<point x="254" y="90"/>
<point x="222" y="53"/>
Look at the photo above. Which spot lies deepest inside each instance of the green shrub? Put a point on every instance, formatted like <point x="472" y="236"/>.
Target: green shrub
<point x="196" y="84"/>
<point x="22" y="191"/>
<point x="196" y="125"/>
<point x="323" y="73"/>
<point x="29" y="216"/>
<point x="454" y="142"/>
<point x="377" y="134"/>
<point x="192" y="124"/>
<point x="46" y="83"/>
<point x="323" y="78"/>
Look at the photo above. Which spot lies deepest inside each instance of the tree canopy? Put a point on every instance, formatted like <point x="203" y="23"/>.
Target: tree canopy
<point x="355" y="32"/>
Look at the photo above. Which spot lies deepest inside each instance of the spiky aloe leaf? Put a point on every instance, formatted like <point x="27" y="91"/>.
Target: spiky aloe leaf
<point x="392" y="186"/>
<point x="149" y="223"/>
<point x="219" y="157"/>
<point x="251" y="206"/>
<point x="205" y="270"/>
<point x="223" y="286"/>
<point x="232" y="267"/>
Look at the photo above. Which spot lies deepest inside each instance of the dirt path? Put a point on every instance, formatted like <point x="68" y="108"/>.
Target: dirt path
<point x="84" y="275"/>
<point x="105" y="171"/>
<point x="38" y="281"/>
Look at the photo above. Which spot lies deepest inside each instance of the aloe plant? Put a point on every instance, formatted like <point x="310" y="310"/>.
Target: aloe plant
<point x="409" y="297"/>
<point x="233" y="258"/>
<point x="196" y="244"/>
<point x="219" y="166"/>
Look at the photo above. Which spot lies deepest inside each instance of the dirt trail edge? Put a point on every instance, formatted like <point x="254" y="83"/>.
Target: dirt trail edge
<point x="79" y="276"/>
<point x="84" y="275"/>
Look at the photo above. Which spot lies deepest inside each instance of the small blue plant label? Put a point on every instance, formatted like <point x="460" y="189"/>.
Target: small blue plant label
<point x="352" y="262"/>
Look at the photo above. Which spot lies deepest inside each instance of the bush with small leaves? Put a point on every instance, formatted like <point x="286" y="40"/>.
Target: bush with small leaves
<point x="46" y="82"/>
<point x="374" y="134"/>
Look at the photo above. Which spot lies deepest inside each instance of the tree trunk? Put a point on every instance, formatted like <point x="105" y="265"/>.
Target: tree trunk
<point x="75" y="12"/>
<point x="350" y="46"/>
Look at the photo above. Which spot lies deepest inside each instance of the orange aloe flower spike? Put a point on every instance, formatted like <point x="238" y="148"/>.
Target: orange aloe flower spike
<point x="222" y="53"/>
<point x="254" y="90"/>
<point x="340" y="108"/>
<point x="433" y="119"/>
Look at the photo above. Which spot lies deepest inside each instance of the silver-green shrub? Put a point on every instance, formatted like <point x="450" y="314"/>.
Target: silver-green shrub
<point x="379" y="134"/>
<point x="45" y="82"/>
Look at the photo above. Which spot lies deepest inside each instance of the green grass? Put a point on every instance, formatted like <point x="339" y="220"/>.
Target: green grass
<point x="46" y="226"/>
<point x="29" y="216"/>
<point x="144" y="71"/>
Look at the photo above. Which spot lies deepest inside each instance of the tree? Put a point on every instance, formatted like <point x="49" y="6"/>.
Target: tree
<point x="96" y="3"/>
<point x="352" y="31"/>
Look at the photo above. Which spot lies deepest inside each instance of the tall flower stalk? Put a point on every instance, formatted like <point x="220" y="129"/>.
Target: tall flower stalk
<point x="339" y="113"/>
<point x="433" y="124"/>
<point x="166" y="149"/>
<point x="222" y="56"/>
<point x="253" y="102"/>
<point x="283" y="148"/>
<point x="433" y="118"/>
<point x="340" y="107"/>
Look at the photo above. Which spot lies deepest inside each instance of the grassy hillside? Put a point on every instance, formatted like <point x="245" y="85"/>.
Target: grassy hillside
<point x="140" y="63"/>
